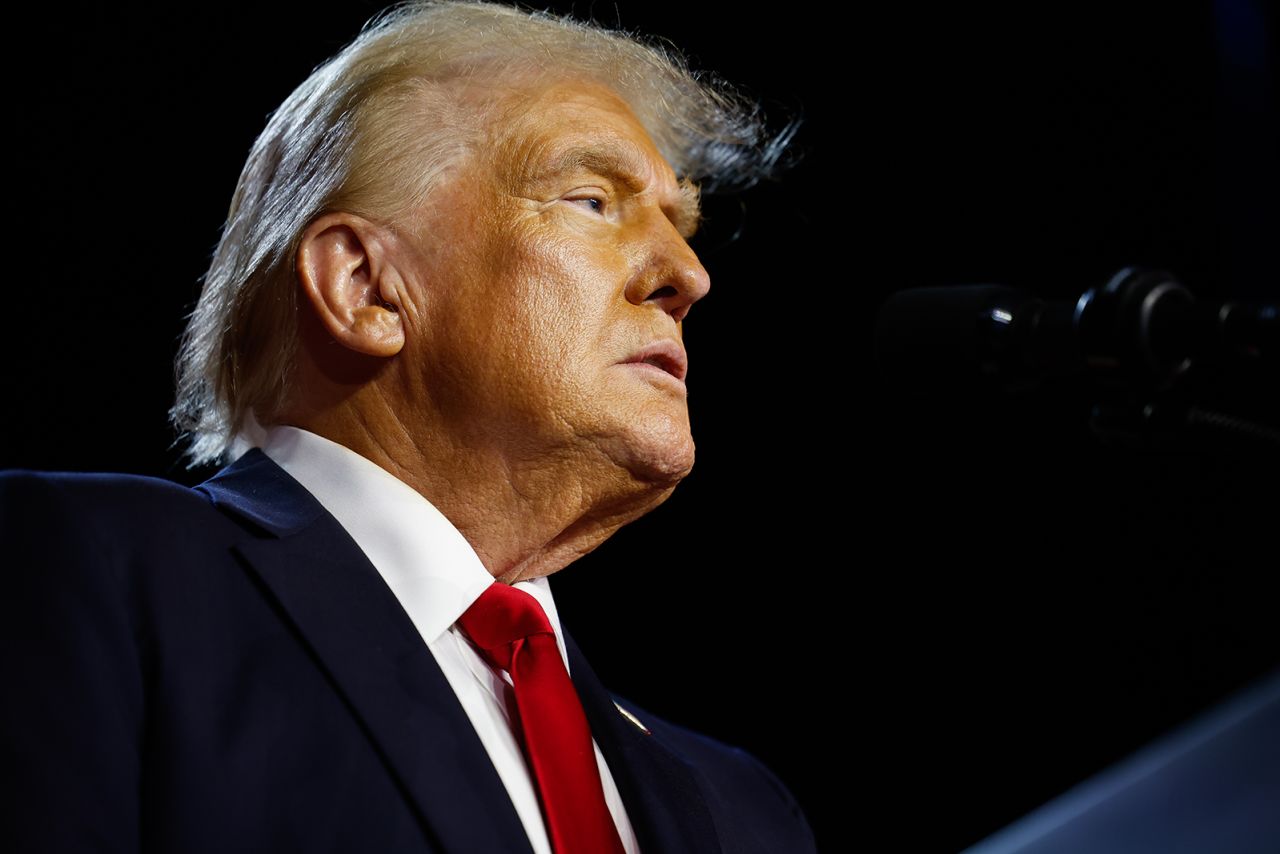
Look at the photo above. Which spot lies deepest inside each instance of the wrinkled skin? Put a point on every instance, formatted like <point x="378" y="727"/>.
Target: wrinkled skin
<point x="488" y="351"/>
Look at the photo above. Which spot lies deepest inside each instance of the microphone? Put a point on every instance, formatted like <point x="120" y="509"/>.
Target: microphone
<point x="1142" y="330"/>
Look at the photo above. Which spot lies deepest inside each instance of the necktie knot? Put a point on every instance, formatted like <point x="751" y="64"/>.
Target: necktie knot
<point x="501" y="618"/>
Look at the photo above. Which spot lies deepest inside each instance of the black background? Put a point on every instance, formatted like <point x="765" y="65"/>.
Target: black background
<point x="927" y="615"/>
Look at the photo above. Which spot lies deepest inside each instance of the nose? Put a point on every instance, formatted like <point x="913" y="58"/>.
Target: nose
<point x="673" y="279"/>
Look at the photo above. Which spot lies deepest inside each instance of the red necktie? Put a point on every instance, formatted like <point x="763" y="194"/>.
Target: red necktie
<point x="513" y="633"/>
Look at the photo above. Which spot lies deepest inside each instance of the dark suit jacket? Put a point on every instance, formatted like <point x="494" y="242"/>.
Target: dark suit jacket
<point x="221" y="669"/>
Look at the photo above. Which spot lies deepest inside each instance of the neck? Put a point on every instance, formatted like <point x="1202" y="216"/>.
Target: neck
<point x="527" y="512"/>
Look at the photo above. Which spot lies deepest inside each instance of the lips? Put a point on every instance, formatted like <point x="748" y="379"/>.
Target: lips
<point x="666" y="355"/>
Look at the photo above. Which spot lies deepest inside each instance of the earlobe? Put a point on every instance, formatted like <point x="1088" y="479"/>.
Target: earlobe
<point x="376" y="331"/>
<point x="348" y="281"/>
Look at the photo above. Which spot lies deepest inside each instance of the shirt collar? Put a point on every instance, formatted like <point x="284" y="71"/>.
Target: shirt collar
<point x="424" y="559"/>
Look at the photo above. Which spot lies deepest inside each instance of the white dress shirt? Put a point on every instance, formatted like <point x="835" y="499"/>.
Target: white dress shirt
<point x="436" y="575"/>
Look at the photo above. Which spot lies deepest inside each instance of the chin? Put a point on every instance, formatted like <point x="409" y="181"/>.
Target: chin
<point x="661" y="453"/>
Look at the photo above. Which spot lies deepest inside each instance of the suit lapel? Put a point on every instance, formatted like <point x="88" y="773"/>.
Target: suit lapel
<point x="375" y="657"/>
<point x="662" y="797"/>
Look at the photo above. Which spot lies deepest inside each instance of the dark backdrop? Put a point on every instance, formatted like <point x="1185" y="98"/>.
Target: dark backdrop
<point x="928" y="615"/>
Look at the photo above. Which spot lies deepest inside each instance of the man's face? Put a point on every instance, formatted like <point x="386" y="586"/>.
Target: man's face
<point x="551" y="281"/>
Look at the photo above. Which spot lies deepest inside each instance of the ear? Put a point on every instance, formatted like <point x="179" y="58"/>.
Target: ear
<point x="347" y="278"/>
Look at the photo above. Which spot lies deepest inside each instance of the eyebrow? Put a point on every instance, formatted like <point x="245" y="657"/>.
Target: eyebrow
<point x="622" y="166"/>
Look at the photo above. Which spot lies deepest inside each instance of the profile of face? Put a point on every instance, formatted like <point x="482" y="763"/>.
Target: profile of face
<point x="549" y="280"/>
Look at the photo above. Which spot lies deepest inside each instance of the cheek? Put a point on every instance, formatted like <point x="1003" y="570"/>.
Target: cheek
<point x="560" y="294"/>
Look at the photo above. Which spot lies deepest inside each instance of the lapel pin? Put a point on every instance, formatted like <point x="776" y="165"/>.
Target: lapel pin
<point x="644" y="729"/>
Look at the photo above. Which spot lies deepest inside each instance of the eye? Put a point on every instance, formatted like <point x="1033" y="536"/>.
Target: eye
<point x="593" y="203"/>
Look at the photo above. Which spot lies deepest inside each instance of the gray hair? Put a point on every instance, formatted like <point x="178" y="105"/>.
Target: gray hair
<point x="371" y="131"/>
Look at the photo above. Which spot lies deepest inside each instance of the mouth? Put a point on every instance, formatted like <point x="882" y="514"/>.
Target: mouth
<point x="665" y="355"/>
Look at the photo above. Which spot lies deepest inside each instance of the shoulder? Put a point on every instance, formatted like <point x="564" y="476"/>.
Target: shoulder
<point x="74" y="491"/>
<point x="53" y="519"/>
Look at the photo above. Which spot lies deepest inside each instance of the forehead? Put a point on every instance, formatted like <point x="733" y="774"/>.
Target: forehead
<point x="574" y="123"/>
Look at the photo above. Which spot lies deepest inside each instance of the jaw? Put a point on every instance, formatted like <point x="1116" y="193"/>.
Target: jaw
<point x="583" y="498"/>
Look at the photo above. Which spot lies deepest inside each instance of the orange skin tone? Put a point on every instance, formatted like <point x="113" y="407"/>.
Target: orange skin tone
<point x="478" y="351"/>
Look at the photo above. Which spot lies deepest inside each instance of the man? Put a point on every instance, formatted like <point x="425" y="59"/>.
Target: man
<point x="440" y="343"/>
